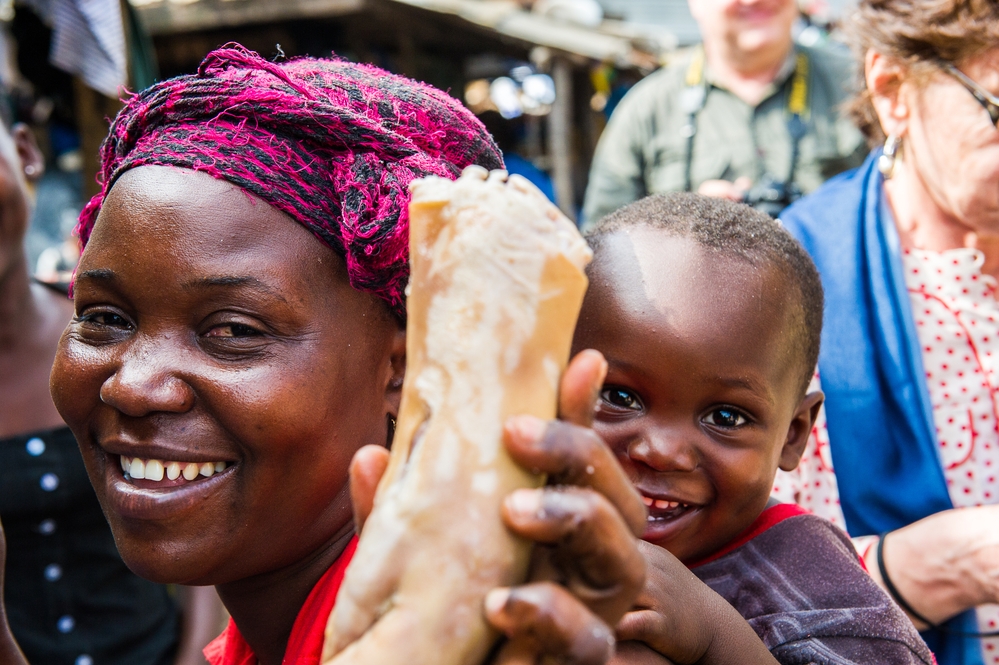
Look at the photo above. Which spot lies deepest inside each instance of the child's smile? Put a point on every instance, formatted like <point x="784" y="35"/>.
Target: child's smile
<point x="702" y="396"/>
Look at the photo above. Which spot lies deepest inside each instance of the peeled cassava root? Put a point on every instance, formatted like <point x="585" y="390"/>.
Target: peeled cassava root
<point x="495" y="289"/>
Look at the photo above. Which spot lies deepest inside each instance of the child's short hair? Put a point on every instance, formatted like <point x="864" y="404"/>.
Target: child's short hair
<point x="737" y="230"/>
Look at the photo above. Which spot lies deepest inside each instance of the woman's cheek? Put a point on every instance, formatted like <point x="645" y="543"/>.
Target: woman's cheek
<point x="78" y="372"/>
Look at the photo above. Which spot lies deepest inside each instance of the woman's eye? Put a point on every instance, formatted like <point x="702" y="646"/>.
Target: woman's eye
<point x="233" y="330"/>
<point x="621" y="398"/>
<point x="105" y="319"/>
<point x="726" y="418"/>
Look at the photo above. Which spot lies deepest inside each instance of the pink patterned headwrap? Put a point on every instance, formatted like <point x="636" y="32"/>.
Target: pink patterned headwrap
<point x="331" y="143"/>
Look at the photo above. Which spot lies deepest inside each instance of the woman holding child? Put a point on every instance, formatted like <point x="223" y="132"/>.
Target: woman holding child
<point x="908" y="250"/>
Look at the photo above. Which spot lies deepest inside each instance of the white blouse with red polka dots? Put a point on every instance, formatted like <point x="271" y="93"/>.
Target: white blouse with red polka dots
<point x="957" y="322"/>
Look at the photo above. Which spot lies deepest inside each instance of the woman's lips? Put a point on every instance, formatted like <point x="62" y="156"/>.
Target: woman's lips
<point x="166" y="498"/>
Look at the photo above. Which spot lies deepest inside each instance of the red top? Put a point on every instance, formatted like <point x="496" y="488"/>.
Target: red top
<point x="305" y="644"/>
<point x="768" y="518"/>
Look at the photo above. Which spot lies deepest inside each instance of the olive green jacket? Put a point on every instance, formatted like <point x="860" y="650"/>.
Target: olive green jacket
<point x="643" y="150"/>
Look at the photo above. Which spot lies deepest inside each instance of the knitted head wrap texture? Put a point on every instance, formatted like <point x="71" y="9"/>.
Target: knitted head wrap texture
<point x="331" y="143"/>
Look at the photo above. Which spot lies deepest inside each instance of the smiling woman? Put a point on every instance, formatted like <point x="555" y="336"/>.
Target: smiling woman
<point x="238" y="338"/>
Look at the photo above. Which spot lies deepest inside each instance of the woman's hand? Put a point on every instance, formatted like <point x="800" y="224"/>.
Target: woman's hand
<point x="680" y="618"/>
<point x="10" y="653"/>
<point x="944" y="564"/>
<point x="587" y="570"/>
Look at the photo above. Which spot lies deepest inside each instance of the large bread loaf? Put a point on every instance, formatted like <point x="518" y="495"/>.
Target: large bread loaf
<point x="495" y="288"/>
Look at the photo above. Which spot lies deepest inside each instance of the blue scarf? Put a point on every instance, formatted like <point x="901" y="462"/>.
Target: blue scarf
<point x="880" y="420"/>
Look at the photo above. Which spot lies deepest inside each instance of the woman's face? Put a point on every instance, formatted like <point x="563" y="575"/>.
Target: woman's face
<point x="212" y="329"/>
<point x="953" y="146"/>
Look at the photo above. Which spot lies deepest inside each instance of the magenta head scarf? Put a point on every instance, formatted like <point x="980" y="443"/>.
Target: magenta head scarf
<point x="331" y="143"/>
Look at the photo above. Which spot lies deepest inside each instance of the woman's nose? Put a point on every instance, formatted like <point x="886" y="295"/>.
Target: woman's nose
<point x="663" y="451"/>
<point x="147" y="381"/>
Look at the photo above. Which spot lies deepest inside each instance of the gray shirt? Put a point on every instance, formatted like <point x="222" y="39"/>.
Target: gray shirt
<point x="643" y="150"/>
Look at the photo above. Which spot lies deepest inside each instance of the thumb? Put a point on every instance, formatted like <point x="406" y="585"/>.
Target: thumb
<point x="366" y="470"/>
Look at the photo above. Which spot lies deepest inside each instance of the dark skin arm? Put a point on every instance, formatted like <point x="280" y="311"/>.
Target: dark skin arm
<point x="682" y="620"/>
<point x="10" y="653"/>
<point x="587" y="570"/>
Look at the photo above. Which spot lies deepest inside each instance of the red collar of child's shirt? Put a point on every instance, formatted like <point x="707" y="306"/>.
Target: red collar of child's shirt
<point x="305" y="644"/>
<point x="768" y="518"/>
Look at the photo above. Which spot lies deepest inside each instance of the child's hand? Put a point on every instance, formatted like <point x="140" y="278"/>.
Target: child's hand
<point x="587" y="570"/>
<point x="682" y="619"/>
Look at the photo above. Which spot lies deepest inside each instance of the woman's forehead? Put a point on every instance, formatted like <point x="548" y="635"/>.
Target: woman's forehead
<point x="180" y="222"/>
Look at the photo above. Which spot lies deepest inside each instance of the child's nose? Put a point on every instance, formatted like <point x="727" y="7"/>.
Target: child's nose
<point x="663" y="451"/>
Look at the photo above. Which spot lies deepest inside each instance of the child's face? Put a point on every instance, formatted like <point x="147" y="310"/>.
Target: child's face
<point x="701" y="401"/>
<point x="211" y="327"/>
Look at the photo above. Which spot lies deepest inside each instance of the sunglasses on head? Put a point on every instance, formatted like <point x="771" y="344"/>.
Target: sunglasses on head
<point x="989" y="101"/>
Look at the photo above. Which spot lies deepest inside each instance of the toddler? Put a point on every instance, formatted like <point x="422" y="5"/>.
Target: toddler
<point x="709" y="315"/>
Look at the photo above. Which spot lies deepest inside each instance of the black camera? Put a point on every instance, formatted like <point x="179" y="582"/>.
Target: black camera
<point x="772" y="196"/>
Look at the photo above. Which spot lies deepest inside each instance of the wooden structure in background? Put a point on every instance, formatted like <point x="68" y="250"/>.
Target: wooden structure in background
<point x="430" y="40"/>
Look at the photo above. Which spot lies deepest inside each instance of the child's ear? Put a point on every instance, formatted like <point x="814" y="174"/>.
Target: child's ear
<point x="799" y="430"/>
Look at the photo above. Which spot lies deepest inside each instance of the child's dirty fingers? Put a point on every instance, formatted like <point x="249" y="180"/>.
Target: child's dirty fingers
<point x="595" y="550"/>
<point x="366" y="469"/>
<point x="545" y="619"/>
<point x="580" y="387"/>
<point x="573" y="455"/>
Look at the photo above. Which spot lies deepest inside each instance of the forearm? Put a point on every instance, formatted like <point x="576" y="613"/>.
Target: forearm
<point x="734" y="641"/>
<point x="203" y="615"/>
<point x="942" y="565"/>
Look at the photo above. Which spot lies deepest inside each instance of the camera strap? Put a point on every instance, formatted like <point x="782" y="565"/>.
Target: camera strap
<point x="695" y="95"/>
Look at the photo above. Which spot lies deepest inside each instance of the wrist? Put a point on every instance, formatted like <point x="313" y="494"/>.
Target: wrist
<point x="930" y="577"/>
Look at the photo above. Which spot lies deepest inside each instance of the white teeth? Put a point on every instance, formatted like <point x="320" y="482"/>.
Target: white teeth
<point x="155" y="470"/>
<point x="662" y="504"/>
<point x="137" y="469"/>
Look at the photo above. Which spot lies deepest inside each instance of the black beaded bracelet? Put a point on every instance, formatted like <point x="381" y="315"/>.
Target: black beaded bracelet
<point x="897" y="597"/>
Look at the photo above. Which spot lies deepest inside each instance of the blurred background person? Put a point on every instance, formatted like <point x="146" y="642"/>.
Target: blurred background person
<point x="908" y="250"/>
<point x="748" y="115"/>
<point x="70" y="598"/>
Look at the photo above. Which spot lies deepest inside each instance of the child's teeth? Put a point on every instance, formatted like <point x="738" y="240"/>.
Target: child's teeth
<point x="154" y="470"/>
<point x="137" y="469"/>
<point x="648" y="501"/>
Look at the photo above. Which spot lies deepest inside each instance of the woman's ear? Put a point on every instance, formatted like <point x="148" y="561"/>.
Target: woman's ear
<point x="885" y="79"/>
<point x="396" y="373"/>
<point x="799" y="430"/>
<point x="32" y="161"/>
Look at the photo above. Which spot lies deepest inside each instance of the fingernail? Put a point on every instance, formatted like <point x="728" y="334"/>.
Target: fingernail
<point x="529" y="428"/>
<point x="496" y="600"/>
<point x="524" y="502"/>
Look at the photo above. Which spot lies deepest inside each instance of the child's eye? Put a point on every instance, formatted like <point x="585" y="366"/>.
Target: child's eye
<point x="621" y="398"/>
<point x="233" y="330"/>
<point x="725" y="417"/>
